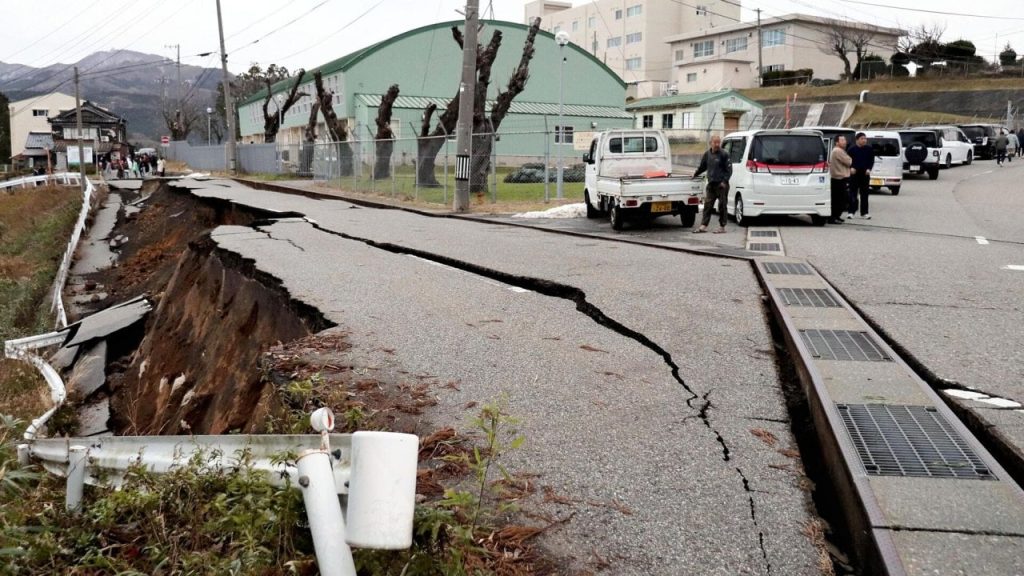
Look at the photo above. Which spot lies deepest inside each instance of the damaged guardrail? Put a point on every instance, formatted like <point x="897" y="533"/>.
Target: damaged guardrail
<point x="376" y="470"/>
<point x="23" y="349"/>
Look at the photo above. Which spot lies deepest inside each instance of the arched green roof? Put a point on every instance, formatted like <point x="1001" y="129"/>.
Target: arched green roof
<point x="347" y="61"/>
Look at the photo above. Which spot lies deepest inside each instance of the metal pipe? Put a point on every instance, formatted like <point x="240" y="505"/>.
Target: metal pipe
<point x="323" y="510"/>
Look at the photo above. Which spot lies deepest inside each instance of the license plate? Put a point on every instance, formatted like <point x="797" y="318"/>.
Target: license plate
<point x="876" y="182"/>
<point x="915" y="167"/>
<point x="789" y="180"/>
<point x="661" y="207"/>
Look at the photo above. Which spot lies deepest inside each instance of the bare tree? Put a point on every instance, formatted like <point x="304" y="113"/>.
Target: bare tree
<point x="337" y="129"/>
<point x="180" y="121"/>
<point x="272" y="121"/>
<point x="309" y="138"/>
<point x="845" y="37"/>
<point x="385" y="136"/>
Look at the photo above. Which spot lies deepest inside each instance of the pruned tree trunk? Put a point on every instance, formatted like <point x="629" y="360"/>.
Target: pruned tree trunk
<point x="385" y="137"/>
<point x="309" y="139"/>
<point x="272" y="122"/>
<point x="337" y="129"/>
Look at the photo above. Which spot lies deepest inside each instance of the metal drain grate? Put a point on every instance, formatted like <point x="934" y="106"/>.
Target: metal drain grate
<point x="787" y="268"/>
<point x="895" y="440"/>
<point x="763" y="234"/>
<point x="843" y="345"/>
<point x="764" y="247"/>
<point x="813" y="297"/>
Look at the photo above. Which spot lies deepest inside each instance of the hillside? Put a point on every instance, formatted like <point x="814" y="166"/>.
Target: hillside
<point x="130" y="84"/>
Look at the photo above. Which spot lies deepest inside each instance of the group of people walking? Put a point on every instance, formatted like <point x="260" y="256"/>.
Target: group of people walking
<point x="850" y="171"/>
<point x="135" y="166"/>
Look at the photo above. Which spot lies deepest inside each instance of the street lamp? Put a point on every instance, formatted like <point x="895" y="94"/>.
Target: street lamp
<point x="562" y="38"/>
<point x="209" y="133"/>
<point x="278" y="100"/>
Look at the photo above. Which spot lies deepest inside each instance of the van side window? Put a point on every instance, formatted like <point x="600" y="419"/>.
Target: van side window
<point x="735" y="148"/>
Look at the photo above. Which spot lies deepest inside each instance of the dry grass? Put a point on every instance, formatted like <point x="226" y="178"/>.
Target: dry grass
<point x="814" y="529"/>
<point x="870" y="115"/>
<point x="900" y="85"/>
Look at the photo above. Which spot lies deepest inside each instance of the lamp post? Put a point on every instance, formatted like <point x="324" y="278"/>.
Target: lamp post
<point x="562" y="38"/>
<point x="209" y="132"/>
<point x="277" y="100"/>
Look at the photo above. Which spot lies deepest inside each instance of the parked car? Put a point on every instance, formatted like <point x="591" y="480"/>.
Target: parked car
<point x="830" y="133"/>
<point x="957" y="148"/>
<point x="629" y="177"/>
<point x="888" y="168"/>
<point x="921" y="149"/>
<point x="778" y="172"/>
<point x="983" y="136"/>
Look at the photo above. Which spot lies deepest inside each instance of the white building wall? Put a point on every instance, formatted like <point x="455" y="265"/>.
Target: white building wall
<point x="23" y="120"/>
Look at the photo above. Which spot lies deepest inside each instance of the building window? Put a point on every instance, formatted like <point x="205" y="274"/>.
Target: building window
<point x="591" y="22"/>
<point x="773" y="68"/>
<point x="37" y="112"/>
<point x="632" y="64"/>
<point x="615" y="41"/>
<point x="563" y="134"/>
<point x="691" y="77"/>
<point x="634" y="10"/>
<point x="705" y="48"/>
<point x="575" y="25"/>
<point x="666" y="121"/>
<point x="736" y="44"/>
<point x="775" y="37"/>
<point x="702" y="10"/>
<point x="647" y="121"/>
<point x="680" y="55"/>
<point x="634" y="37"/>
<point x="687" y="121"/>
<point x="618" y="14"/>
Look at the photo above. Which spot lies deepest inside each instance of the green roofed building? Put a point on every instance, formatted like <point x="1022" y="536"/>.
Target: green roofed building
<point x="426" y="64"/>
<point x="697" y="115"/>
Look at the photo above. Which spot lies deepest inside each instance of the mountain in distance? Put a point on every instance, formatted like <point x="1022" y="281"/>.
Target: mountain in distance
<point x="133" y="85"/>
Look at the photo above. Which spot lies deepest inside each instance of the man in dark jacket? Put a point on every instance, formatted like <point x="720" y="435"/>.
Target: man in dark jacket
<point x="1020" y="142"/>
<point x="717" y="164"/>
<point x="863" y="157"/>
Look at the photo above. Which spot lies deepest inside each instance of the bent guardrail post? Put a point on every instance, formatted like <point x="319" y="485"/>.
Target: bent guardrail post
<point x="77" y="456"/>
<point x="323" y="509"/>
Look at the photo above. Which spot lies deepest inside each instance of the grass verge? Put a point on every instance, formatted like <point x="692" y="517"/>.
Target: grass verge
<point x="870" y="115"/>
<point x="899" y="85"/>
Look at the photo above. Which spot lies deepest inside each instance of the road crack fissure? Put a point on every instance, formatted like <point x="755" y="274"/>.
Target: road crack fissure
<point x="579" y="298"/>
<point x="258" y="226"/>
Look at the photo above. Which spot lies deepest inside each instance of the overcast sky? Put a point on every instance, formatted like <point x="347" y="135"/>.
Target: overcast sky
<point x="259" y="31"/>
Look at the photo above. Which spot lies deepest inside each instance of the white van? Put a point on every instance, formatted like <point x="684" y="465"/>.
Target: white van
<point x="888" y="168"/>
<point x="778" y="172"/>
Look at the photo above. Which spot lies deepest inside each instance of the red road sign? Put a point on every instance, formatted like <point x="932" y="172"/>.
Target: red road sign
<point x="165" y="140"/>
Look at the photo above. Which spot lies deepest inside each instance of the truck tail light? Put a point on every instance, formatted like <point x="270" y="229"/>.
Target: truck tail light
<point x="630" y="203"/>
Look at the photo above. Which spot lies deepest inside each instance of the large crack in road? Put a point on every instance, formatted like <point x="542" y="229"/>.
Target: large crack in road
<point x="579" y="298"/>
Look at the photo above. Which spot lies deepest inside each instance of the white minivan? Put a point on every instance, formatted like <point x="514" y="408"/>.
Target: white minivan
<point x="778" y="172"/>
<point x="888" y="168"/>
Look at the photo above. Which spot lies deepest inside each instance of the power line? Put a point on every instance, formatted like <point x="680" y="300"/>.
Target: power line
<point x="273" y="12"/>
<point x="51" y="32"/>
<point x="338" y="31"/>
<point x="940" y="12"/>
<point x="281" y="27"/>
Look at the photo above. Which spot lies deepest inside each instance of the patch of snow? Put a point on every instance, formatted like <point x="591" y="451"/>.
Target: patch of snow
<point x="564" y="211"/>
<point x="985" y="398"/>
<point x="1001" y="402"/>
<point x="965" y="394"/>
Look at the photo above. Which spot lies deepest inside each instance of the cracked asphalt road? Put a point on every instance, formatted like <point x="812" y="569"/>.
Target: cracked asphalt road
<point x="581" y="337"/>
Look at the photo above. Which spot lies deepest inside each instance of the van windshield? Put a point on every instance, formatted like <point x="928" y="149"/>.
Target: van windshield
<point x="928" y="139"/>
<point x="885" y="146"/>
<point x="788" y="149"/>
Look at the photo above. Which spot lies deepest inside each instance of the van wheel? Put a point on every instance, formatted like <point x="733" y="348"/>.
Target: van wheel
<point x="817" y="220"/>
<point x="970" y="158"/>
<point x="688" y="216"/>
<point x="615" y="217"/>
<point x="591" y="211"/>
<point x="933" y="174"/>
<point x="741" y="219"/>
<point x="949" y="160"/>
<point x="895" y="190"/>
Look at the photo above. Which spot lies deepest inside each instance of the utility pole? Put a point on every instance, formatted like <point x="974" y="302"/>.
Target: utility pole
<point x="177" y="97"/>
<point x="467" y="90"/>
<point x="229" y="103"/>
<point x="760" y="65"/>
<point x="78" y="121"/>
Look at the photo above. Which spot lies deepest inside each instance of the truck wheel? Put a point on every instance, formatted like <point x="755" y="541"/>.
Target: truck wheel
<point x="688" y="216"/>
<point x="970" y="158"/>
<point x="741" y="219"/>
<point x="615" y="217"/>
<point x="933" y="174"/>
<point x="895" y="190"/>
<point x="949" y="160"/>
<point x="591" y="211"/>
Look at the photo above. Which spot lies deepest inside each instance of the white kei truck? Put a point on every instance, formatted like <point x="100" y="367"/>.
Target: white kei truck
<point x="629" y="178"/>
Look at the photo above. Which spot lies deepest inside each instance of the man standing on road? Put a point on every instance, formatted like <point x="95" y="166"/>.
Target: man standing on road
<point x="863" y="157"/>
<point x="839" y="169"/>
<point x="1001" y="143"/>
<point x="1020" y="141"/>
<point x="717" y="164"/>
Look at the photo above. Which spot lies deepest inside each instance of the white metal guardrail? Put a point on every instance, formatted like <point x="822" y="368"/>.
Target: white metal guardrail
<point x="23" y="349"/>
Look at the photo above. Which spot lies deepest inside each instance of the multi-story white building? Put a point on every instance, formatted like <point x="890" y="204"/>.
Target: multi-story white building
<point x="32" y="114"/>
<point x="629" y="35"/>
<point x="726" y="57"/>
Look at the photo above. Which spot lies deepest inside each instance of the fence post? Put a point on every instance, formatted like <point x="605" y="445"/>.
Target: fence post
<point x="323" y="510"/>
<point x="445" y="166"/>
<point x="494" y="162"/>
<point x="76" y="478"/>
<point x="547" y="158"/>
<point x="373" y="162"/>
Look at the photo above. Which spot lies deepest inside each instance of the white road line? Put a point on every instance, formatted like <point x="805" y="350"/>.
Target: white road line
<point x="981" y="240"/>
<point x="1017" y="267"/>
